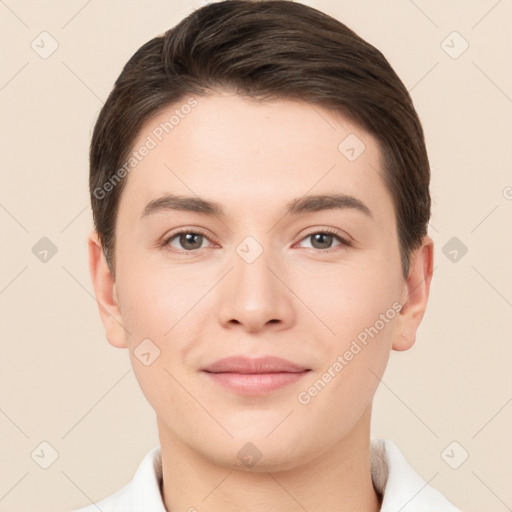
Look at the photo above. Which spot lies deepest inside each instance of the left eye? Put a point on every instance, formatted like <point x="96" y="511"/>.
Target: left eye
<point x="324" y="239"/>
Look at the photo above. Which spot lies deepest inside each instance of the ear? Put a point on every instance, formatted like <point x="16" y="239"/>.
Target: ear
<point x="105" y="291"/>
<point x="415" y="295"/>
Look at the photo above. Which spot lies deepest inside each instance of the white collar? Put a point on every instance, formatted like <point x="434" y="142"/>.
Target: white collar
<point x="401" y="487"/>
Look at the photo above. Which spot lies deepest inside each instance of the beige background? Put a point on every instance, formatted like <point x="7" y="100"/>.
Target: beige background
<point x="62" y="383"/>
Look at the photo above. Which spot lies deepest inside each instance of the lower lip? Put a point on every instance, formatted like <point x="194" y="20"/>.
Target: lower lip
<point x="256" y="383"/>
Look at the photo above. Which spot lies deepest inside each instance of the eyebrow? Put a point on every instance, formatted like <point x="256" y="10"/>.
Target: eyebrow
<point x="305" y="204"/>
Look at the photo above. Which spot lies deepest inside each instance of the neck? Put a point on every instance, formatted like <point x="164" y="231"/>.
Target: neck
<point x="338" y="480"/>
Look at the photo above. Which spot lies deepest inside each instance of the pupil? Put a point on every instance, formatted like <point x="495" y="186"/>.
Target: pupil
<point x="320" y="236"/>
<point x="188" y="239"/>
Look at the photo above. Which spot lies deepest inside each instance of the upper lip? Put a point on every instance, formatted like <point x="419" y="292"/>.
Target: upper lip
<point x="243" y="364"/>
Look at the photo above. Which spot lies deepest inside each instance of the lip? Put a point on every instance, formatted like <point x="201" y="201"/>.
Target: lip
<point x="247" y="376"/>
<point x="244" y="364"/>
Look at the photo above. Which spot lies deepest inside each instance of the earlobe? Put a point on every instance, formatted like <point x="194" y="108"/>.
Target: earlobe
<point x="106" y="293"/>
<point x="415" y="295"/>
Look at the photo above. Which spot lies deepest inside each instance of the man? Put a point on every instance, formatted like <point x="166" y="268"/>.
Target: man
<point x="260" y="190"/>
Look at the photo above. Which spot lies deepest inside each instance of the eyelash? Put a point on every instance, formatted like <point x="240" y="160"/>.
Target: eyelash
<point x="324" y="231"/>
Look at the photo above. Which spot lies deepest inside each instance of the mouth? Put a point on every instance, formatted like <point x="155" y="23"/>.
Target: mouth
<point x="254" y="377"/>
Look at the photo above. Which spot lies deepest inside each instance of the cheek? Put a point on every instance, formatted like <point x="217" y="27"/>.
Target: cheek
<point x="354" y="356"/>
<point x="358" y="309"/>
<point x="166" y="390"/>
<point x="346" y="300"/>
<point x="153" y="301"/>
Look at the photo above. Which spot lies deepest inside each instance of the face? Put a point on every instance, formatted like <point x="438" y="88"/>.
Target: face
<point x="294" y="255"/>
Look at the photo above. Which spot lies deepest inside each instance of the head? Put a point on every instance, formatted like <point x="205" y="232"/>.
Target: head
<point x="249" y="108"/>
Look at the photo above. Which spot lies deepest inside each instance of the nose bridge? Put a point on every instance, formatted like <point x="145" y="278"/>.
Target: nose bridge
<point x="253" y="295"/>
<point x="251" y="267"/>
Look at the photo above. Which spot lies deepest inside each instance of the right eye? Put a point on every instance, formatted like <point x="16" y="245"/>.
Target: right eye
<point x="187" y="239"/>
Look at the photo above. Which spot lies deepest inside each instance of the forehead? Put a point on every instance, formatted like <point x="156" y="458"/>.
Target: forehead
<point x="248" y="153"/>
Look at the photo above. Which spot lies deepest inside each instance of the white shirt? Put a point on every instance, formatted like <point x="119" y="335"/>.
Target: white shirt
<point x="401" y="487"/>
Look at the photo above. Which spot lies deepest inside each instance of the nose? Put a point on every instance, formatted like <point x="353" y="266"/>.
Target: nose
<point x="255" y="295"/>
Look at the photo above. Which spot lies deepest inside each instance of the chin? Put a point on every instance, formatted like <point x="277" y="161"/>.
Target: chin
<point x="252" y="451"/>
<point x="267" y="460"/>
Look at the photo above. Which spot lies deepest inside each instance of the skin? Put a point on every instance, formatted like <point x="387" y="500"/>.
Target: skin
<point x="301" y="299"/>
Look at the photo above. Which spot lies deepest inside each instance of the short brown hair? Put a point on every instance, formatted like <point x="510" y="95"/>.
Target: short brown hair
<point x="265" y="49"/>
